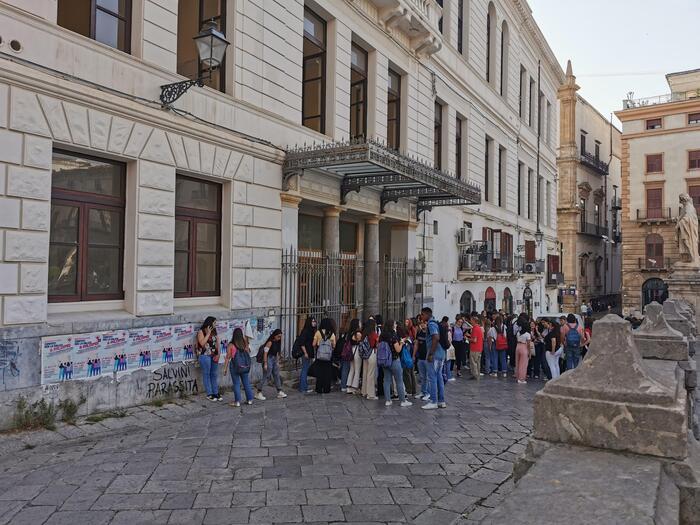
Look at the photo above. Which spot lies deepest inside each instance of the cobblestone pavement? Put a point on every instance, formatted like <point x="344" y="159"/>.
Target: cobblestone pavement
<point x="311" y="459"/>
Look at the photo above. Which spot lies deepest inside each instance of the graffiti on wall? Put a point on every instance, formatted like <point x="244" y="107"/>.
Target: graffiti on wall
<point x="9" y="354"/>
<point x="117" y="352"/>
<point x="172" y="381"/>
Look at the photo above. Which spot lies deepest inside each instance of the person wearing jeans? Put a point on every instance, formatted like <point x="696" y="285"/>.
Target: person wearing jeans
<point x="271" y="370"/>
<point x="208" y="352"/>
<point x="307" y="347"/>
<point x="435" y="361"/>
<point x="304" y="374"/>
<point x="419" y="356"/>
<point x="238" y="376"/>
<point x="354" y="374"/>
<point x="396" y="372"/>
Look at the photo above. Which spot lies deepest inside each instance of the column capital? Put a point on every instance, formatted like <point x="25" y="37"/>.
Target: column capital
<point x="289" y="200"/>
<point x="332" y="211"/>
<point x="373" y="219"/>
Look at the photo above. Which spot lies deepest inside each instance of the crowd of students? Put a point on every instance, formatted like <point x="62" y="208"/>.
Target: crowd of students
<point x="399" y="361"/>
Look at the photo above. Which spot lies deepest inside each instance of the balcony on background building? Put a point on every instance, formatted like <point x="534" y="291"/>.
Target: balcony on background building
<point x="523" y="266"/>
<point x="634" y="103"/>
<point x="617" y="237"/>
<point x="589" y="228"/>
<point x="419" y="19"/>
<point x="590" y="160"/>
<point x="656" y="215"/>
<point x="654" y="264"/>
<point x="616" y="203"/>
<point x="476" y="257"/>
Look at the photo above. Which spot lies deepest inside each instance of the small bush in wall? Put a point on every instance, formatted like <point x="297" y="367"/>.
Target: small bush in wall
<point x="36" y="415"/>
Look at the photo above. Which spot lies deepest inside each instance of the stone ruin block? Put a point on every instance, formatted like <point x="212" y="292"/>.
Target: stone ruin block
<point x="616" y="401"/>
<point x="656" y="339"/>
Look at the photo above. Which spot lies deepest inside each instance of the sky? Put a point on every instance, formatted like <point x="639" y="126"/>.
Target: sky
<point x="618" y="46"/>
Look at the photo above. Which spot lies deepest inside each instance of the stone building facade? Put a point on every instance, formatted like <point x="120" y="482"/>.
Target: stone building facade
<point x="357" y="138"/>
<point x="660" y="160"/>
<point x="589" y="202"/>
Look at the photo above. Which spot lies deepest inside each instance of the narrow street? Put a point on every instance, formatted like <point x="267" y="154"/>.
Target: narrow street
<point x="313" y="459"/>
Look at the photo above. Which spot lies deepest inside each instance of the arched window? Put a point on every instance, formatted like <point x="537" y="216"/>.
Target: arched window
<point x="490" y="300"/>
<point x="491" y="44"/>
<point x="507" y="301"/>
<point x="467" y="303"/>
<point x="654" y="251"/>
<point x="505" y="43"/>
<point x="654" y="290"/>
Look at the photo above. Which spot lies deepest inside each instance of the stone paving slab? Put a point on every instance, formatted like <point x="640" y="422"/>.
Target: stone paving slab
<point x="305" y="459"/>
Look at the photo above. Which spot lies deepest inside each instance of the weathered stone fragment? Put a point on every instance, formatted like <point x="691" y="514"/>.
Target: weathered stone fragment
<point x="656" y="339"/>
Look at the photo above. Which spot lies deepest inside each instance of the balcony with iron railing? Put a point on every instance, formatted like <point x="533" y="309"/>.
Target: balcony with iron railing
<point x="654" y="264"/>
<point x="656" y="214"/>
<point x="474" y="259"/>
<point x="589" y="228"/>
<point x="590" y="160"/>
<point x="616" y="203"/>
<point x="522" y="265"/>
<point x="634" y="103"/>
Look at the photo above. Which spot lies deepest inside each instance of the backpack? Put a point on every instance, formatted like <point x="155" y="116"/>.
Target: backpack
<point x="406" y="358"/>
<point x="241" y="362"/>
<point x="259" y="357"/>
<point x="444" y="336"/>
<point x="573" y="338"/>
<point x="347" y="354"/>
<point x="325" y="350"/>
<point x="297" y="352"/>
<point x="365" y="349"/>
<point x="384" y="358"/>
<point x="501" y="339"/>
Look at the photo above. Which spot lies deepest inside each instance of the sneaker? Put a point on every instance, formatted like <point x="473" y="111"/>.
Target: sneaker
<point x="430" y="406"/>
<point x="418" y="396"/>
<point x="309" y="390"/>
<point x="387" y="404"/>
<point x="235" y="404"/>
<point x="211" y="398"/>
<point x="349" y="390"/>
<point x="372" y="398"/>
<point x="426" y="397"/>
<point x="453" y="379"/>
<point x="281" y="395"/>
<point x="505" y="375"/>
<point x="406" y="404"/>
<point x="522" y="382"/>
<point x="249" y="402"/>
<point x="481" y="374"/>
<point x="459" y="374"/>
<point x="494" y="374"/>
<point x="219" y="397"/>
<point x="259" y="396"/>
<point x="442" y="405"/>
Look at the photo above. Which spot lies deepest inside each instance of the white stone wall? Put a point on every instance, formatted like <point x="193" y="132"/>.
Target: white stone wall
<point x="33" y="123"/>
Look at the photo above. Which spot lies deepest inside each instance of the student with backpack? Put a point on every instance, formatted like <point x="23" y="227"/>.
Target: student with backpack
<point x="238" y="364"/>
<point x="343" y="353"/>
<point x="435" y="360"/>
<point x="268" y="354"/>
<point x="407" y="362"/>
<point x="389" y="359"/>
<point x="306" y="346"/>
<point x="572" y="337"/>
<point x="499" y="364"/>
<point x="368" y="353"/>
<point x="354" y="347"/>
<point x="324" y="343"/>
<point x="420" y="354"/>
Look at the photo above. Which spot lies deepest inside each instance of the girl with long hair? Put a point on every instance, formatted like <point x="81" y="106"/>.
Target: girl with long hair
<point x="307" y="347"/>
<point x="345" y="342"/>
<point x="369" y="366"/>
<point x="238" y="364"/>
<point x="324" y="369"/>
<point x="208" y="355"/>
<point x="272" y="349"/>
<point x="522" y="350"/>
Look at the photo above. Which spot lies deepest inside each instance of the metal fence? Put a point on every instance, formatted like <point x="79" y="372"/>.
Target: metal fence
<point x="332" y="285"/>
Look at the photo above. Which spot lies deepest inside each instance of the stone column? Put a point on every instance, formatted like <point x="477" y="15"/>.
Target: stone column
<point x="290" y="221"/>
<point x="331" y="229"/>
<point x="371" y="306"/>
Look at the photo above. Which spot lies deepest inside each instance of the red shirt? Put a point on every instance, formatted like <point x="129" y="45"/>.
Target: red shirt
<point x="476" y="342"/>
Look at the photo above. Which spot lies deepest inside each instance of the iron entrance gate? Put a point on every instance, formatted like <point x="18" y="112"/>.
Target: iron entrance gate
<point x="332" y="285"/>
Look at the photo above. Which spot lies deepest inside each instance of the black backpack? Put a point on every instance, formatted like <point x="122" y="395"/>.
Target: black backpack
<point x="297" y="352"/>
<point x="444" y="336"/>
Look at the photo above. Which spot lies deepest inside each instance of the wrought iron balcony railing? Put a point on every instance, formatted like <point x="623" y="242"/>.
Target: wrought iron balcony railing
<point x="659" y="99"/>
<point x="474" y="259"/>
<point x="654" y="263"/>
<point x="524" y="266"/>
<point x="655" y="214"/>
<point x="597" y="165"/>
<point x="590" y="228"/>
<point x="616" y="203"/>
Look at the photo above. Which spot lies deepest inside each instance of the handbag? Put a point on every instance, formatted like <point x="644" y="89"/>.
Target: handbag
<point x="451" y="355"/>
<point x="531" y="348"/>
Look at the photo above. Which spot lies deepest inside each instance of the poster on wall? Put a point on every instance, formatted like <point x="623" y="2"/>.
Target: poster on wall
<point x="117" y="352"/>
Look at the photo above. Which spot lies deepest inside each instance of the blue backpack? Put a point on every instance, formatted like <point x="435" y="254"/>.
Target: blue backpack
<point x="406" y="358"/>
<point x="573" y="337"/>
<point x="384" y="358"/>
<point x="241" y="362"/>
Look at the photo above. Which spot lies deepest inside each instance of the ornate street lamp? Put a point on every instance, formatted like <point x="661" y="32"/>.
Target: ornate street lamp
<point x="211" y="48"/>
<point x="539" y="236"/>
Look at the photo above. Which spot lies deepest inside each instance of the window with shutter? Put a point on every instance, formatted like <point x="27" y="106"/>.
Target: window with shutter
<point x="694" y="160"/>
<point x="530" y="248"/>
<point x="654" y="201"/>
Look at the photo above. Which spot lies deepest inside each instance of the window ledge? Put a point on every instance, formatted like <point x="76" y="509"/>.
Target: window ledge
<point x="88" y="316"/>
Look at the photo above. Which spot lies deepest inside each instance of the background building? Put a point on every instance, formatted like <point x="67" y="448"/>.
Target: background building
<point x="660" y="160"/>
<point x="334" y="163"/>
<point x="589" y="203"/>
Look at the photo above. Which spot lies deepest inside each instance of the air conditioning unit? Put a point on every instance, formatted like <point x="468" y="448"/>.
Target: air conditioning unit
<point x="464" y="236"/>
<point x="530" y="268"/>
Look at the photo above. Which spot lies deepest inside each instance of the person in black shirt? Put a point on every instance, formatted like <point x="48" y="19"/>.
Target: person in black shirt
<point x="271" y="370"/>
<point x="420" y="354"/>
<point x="307" y="347"/>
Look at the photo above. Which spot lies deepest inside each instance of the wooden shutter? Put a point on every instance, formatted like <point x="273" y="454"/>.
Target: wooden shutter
<point x="654" y="202"/>
<point x="530" y="247"/>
